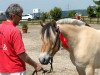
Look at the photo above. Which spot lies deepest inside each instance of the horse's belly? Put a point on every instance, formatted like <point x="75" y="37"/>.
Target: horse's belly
<point x="97" y="60"/>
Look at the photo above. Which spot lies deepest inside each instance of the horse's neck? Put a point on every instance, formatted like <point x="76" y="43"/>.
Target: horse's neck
<point x="71" y="33"/>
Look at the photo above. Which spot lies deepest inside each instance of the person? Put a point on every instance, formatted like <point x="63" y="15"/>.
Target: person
<point x="12" y="50"/>
<point x="77" y="16"/>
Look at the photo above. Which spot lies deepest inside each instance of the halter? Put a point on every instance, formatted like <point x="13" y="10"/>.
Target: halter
<point x="57" y="40"/>
<point x="60" y="38"/>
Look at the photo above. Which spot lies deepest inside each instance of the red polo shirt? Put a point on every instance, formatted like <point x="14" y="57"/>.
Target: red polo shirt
<point x="11" y="45"/>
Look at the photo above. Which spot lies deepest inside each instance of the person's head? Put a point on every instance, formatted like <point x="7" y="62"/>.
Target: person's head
<point x="14" y="13"/>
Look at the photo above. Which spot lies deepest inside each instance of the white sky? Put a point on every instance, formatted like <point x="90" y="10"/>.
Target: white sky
<point x="47" y="5"/>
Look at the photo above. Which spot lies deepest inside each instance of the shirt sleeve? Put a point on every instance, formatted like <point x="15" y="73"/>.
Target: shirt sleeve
<point x="18" y="42"/>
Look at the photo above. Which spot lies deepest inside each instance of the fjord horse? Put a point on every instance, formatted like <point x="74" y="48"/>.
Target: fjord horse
<point x="81" y="41"/>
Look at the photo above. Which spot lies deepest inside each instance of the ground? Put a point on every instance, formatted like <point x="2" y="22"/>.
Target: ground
<point x="62" y="64"/>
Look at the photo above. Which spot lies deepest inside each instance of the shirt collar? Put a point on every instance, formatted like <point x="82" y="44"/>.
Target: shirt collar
<point x="8" y="23"/>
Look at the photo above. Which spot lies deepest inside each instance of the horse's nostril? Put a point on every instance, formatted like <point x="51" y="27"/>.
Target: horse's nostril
<point x="44" y="60"/>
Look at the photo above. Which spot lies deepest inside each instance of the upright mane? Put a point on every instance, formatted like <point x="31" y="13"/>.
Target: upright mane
<point x="51" y="25"/>
<point x="71" y="21"/>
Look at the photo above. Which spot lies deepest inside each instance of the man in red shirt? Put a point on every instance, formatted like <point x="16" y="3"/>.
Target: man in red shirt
<point x="12" y="50"/>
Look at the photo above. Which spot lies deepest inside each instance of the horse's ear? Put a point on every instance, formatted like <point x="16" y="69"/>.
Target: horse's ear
<point x="41" y="24"/>
<point x="53" y="23"/>
<point x="87" y="24"/>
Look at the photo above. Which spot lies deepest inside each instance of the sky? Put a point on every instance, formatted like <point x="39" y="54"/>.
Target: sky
<point x="47" y="5"/>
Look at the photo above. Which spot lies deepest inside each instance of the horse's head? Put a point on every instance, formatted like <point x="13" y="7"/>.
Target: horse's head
<point x="50" y="42"/>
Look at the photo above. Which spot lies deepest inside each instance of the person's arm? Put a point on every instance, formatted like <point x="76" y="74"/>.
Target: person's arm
<point x="24" y="56"/>
<point x="20" y="49"/>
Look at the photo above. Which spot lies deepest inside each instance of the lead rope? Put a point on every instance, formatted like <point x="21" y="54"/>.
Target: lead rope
<point x="43" y="72"/>
<point x="51" y="65"/>
<point x="34" y="72"/>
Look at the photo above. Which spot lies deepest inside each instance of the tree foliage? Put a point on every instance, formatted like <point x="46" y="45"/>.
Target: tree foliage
<point x="71" y="14"/>
<point x="90" y="11"/>
<point x="98" y="11"/>
<point x="56" y="13"/>
<point x="44" y="16"/>
<point x="96" y="2"/>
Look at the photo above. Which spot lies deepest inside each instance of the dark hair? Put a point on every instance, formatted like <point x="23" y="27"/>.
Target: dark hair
<point x="13" y="9"/>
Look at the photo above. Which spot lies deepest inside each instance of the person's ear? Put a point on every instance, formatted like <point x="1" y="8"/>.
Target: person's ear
<point x="12" y="16"/>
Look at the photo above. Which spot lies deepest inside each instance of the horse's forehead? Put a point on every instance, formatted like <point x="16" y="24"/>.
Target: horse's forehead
<point x="48" y="33"/>
<point x="44" y="38"/>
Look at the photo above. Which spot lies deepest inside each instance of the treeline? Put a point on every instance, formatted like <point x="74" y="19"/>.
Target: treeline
<point x="92" y="11"/>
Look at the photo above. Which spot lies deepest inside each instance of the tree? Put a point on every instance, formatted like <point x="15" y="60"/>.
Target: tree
<point x="56" y="13"/>
<point x="96" y="2"/>
<point x="90" y="11"/>
<point x="44" y="16"/>
<point x="98" y="12"/>
<point x="71" y="14"/>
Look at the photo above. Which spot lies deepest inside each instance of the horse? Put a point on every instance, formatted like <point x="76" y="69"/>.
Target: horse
<point x="81" y="41"/>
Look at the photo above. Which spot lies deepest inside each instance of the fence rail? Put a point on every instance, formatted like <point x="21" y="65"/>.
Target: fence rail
<point x="85" y="19"/>
<point x="91" y="20"/>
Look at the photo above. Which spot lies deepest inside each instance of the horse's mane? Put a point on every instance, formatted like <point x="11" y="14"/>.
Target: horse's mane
<point x="71" y="21"/>
<point x="47" y="28"/>
<point x="51" y="25"/>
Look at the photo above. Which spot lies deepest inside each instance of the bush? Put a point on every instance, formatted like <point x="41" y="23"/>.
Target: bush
<point x="24" y="25"/>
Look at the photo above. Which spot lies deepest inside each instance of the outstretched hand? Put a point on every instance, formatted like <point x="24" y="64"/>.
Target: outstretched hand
<point x="38" y="67"/>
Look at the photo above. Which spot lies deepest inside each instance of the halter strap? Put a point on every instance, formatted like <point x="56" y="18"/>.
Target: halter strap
<point x="57" y="37"/>
<point x="60" y="37"/>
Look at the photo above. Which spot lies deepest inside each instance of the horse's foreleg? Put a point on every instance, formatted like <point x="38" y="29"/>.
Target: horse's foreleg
<point x="80" y="70"/>
<point x="89" y="70"/>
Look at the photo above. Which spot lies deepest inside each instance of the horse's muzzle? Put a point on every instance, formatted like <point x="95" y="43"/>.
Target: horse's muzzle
<point x="44" y="60"/>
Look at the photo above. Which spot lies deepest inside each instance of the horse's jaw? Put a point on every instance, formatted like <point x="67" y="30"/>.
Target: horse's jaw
<point x="44" y="58"/>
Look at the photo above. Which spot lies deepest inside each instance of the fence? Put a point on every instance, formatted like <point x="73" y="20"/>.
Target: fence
<point x="91" y="20"/>
<point x="85" y="19"/>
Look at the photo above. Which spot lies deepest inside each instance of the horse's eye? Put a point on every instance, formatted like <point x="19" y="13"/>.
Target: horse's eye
<point x="57" y="29"/>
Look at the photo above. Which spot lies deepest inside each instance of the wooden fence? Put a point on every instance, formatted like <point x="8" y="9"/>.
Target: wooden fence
<point x="85" y="19"/>
<point x="91" y="20"/>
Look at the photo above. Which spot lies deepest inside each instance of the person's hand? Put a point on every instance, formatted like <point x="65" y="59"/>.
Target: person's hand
<point x="38" y="67"/>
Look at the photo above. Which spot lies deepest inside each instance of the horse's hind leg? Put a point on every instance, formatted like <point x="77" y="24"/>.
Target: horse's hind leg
<point x="80" y="70"/>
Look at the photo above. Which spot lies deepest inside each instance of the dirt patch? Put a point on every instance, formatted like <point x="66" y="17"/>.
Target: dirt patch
<point x="62" y="63"/>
